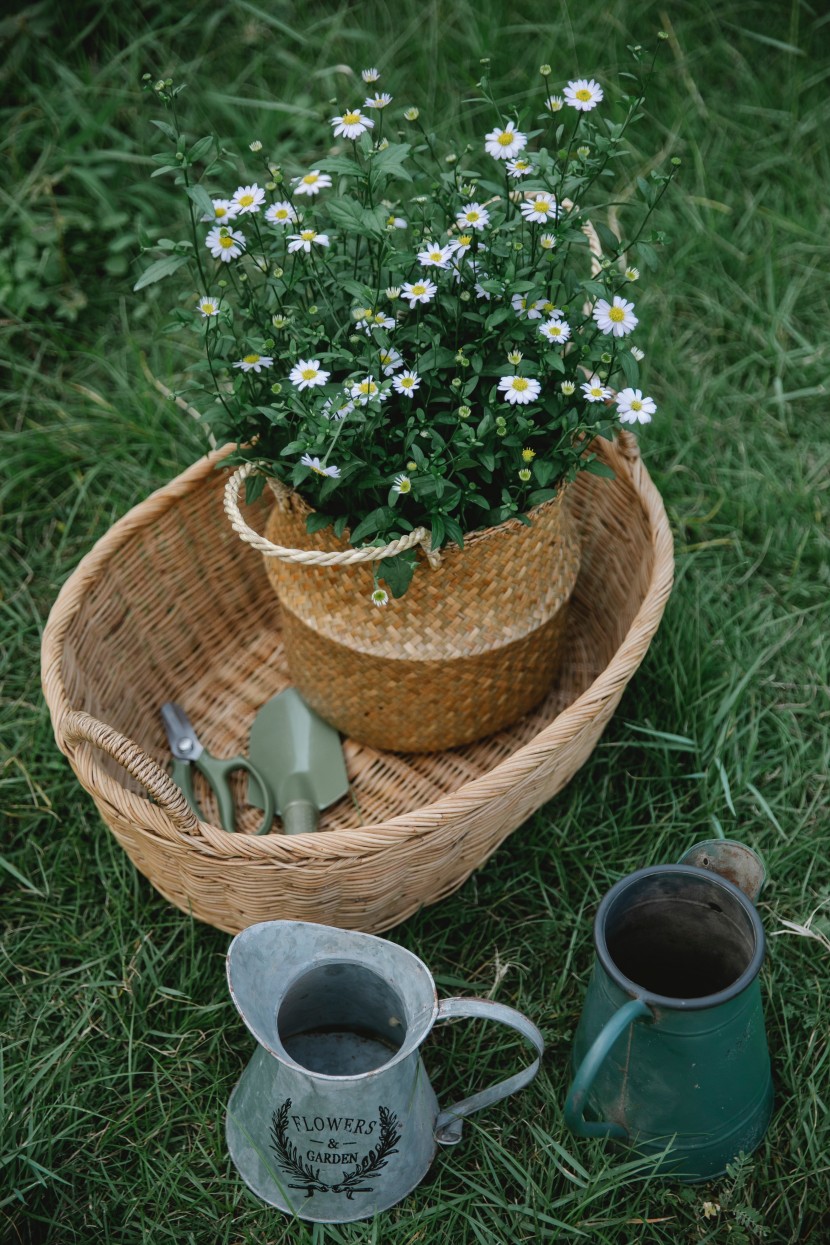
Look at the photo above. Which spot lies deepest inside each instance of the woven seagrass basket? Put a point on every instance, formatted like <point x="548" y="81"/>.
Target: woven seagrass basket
<point x="169" y="604"/>
<point x="473" y="645"/>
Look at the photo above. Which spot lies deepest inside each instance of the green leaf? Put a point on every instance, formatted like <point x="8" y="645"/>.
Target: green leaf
<point x="165" y="168"/>
<point x="202" y="199"/>
<point x="341" y="164"/>
<point x="630" y="367"/>
<point x="352" y="217"/>
<point x="200" y="149"/>
<point x="539" y="495"/>
<point x="597" y="468"/>
<point x="390" y="162"/>
<point x="397" y="572"/>
<point x="316" y="521"/>
<point x="376" y="521"/>
<point x="166" y="129"/>
<point x="159" y="270"/>
<point x="253" y="488"/>
<point x="438" y="356"/>
<point x="498" y="316"/>
<point x="438" y="531"/>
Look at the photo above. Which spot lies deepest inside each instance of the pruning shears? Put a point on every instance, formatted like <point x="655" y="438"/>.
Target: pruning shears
<point x="188" y="750"/>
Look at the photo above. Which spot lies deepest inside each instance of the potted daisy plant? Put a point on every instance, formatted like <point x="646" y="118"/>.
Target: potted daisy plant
<point x="416" y="345"/>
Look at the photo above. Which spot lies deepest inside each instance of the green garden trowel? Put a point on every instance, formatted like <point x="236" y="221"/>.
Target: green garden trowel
<point x="301" y="759"/>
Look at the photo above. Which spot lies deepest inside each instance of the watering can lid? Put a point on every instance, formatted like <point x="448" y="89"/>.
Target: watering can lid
<point x="734" y="861"/>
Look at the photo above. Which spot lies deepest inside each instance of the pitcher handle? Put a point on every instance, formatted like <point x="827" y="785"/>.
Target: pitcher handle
<point x="449" y="1124"/>
<point x="586" y="1073"/>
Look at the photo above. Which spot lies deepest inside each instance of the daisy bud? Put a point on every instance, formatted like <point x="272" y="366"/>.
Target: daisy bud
<point x="451" y="158"/>
<point x="411" y="466"/>
<point x="661" y="34"/>
<point x="159" y="86"/>
<point x="501" y="421"/>
<point x="465" y="296"/>
<point x="545" y="71"/>
<point x="278" y="272"/>
<point x="518" y="246"/>
<point x="276" y="388"/>
<point x="412" y="114"/>
<point x="223" y="285"/>
<point x="393" y="292"/>
<point x="464" y="412"/>
<point x="380" y="597"/>
<point x="462" y="360"/>
<point x="567" y="387"/>
<point x="501" y="431"/>
<point x="515" y="357"/>
<point x="583" y="152"/>
<point x="524" y="474"/>
<point x="528" y="455"/>
<point x="270" y="185"/>
<point x="605" y="357"/>
<point x="632" y="274"/>
<point x="676" y="161"/>
<point x="455" y="383"/>
<point x="256" y="145"/>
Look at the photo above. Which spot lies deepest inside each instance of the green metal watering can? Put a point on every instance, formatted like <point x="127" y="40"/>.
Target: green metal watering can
<point x="334" y="1118"/>
<point x="670" y="1053"/>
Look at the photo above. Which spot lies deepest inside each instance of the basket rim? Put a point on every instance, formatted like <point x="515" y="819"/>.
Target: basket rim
<point x="374" y="838"/>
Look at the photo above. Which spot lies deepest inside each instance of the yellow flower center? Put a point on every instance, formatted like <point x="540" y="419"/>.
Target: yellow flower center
<point x="555" y="330"/>
<point x="404" y="486"/>
<point x="543" y="206"/>
<point x="636" y="405"/>
<point x="616" y="314"/>
<point x="465" y="239"/>
<point x="308" y="235"/>
<point x="583" y="93"/>
<point x="246" y="200"/>
<point x="406" y="382"/>
<point x="352" y="118"/>
<point x="436" y="255"/>
<point x="220" y="212"/>
<point x="528" y="455"/>
<point x="310" y="179"/>
<point x="520" y="384"/>
<point x="472" y="217"/>
<point x="251" y="358"/>
<point x="226" y="241"/>
<point x="419" y="288"/>
<point x="505" y="138"/>
<point x="308" y="373"/>
<point x="321" y="471"/>
<point x="281" y="213"/>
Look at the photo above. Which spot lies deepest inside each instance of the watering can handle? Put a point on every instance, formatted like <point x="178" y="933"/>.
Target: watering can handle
<point x="450" y="1123"/>
<point x="581" y="1085"/>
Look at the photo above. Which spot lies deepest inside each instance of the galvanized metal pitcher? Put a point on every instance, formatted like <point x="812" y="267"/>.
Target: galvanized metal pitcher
<point x="671" y="1048"/>
<point x="334" y="1117"/>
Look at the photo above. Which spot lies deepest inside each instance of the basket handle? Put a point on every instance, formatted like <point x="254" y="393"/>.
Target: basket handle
<point x="79" y="727"/>
<point x="311" y="557"/>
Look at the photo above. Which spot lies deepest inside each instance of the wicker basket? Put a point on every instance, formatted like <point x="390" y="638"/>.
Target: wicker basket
<point x="170" y="605"/>
<point x="475" y="643"/>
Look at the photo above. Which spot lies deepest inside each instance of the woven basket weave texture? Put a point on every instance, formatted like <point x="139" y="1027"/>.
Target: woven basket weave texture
<point x="169" y="604"/>
<point x="473" y="645"/>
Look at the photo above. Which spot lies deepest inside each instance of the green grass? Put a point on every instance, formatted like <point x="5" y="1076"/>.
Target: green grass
<point x="119" y="1043"/>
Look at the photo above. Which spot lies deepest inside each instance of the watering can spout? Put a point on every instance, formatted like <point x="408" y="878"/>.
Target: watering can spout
<point x="734" y="861"/>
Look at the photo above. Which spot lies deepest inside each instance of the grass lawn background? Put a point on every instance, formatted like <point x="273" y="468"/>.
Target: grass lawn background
<point x="119" y="1043"/>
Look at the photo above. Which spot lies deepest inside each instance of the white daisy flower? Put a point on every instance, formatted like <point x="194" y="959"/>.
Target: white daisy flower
<point x="543" y="208"/>
<point x="352" y="124"/>
<point x="412" y="114"/>
<point x="248" y="199"/>
<point x="223" y="211"/>
<point x="380" y="597"/>
<point x="390" y="361"/>
<point x="617" y="317"/>
<point x="632" y="274"/>
<point x="402" y="483"/>
<point x="593" y="391"/>
<point x="254" y="362"/>
<point x="337" y="408"/>
<point x="519" y="389"/>
<point x="533" y="311"/>
<point x="302" y="241"/>
<point x="320" y="468"/>
<point x="406" y="384"/>
<point x="395" y="222"/>
<point x="225" y="244"/>
<point x="633" y="408"/>
<point x="547" y="242"/>
<point x="379" y="100"/>
<point x="554" y="103"/>
<point x="370" y="75"/>
<point x="639" y="354"/>
<point x="366" y="391"/>
<point x="307" y="373"/>
<point x="422" y="291"/>
<point x="435" y="256"/>
<point x="556" y="330"/>
<point x="461" y="246"/>
<point x="473" y="216"/>
<point x="519" y="168"/>
<point x="312" y="183"/>
<point x="583" y="95"/>
<point x="281" y="214"/>
<point x="367" y="318"/>
<point x="480" y="290"/>
<point x="209" y="307"/>
<point x="567" y="387"/>
<point x="504" y="144"/>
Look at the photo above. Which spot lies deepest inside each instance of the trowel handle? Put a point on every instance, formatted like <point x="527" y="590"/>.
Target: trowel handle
<point x="295" y="800"/>
<point x="449" y="1124"/>
<point x="586" y="1073"/>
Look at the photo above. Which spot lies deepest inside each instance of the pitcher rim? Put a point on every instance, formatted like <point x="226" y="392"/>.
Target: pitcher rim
<point x="421" y="1022"/>
<point x="667" y="1001"/>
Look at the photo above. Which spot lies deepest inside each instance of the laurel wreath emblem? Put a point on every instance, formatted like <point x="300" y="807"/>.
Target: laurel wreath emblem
<point x="308" y="1177"/>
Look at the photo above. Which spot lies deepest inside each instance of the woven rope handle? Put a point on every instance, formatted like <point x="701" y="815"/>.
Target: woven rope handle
<point x="310" y="557"/>
<point x="78" y="727"/>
